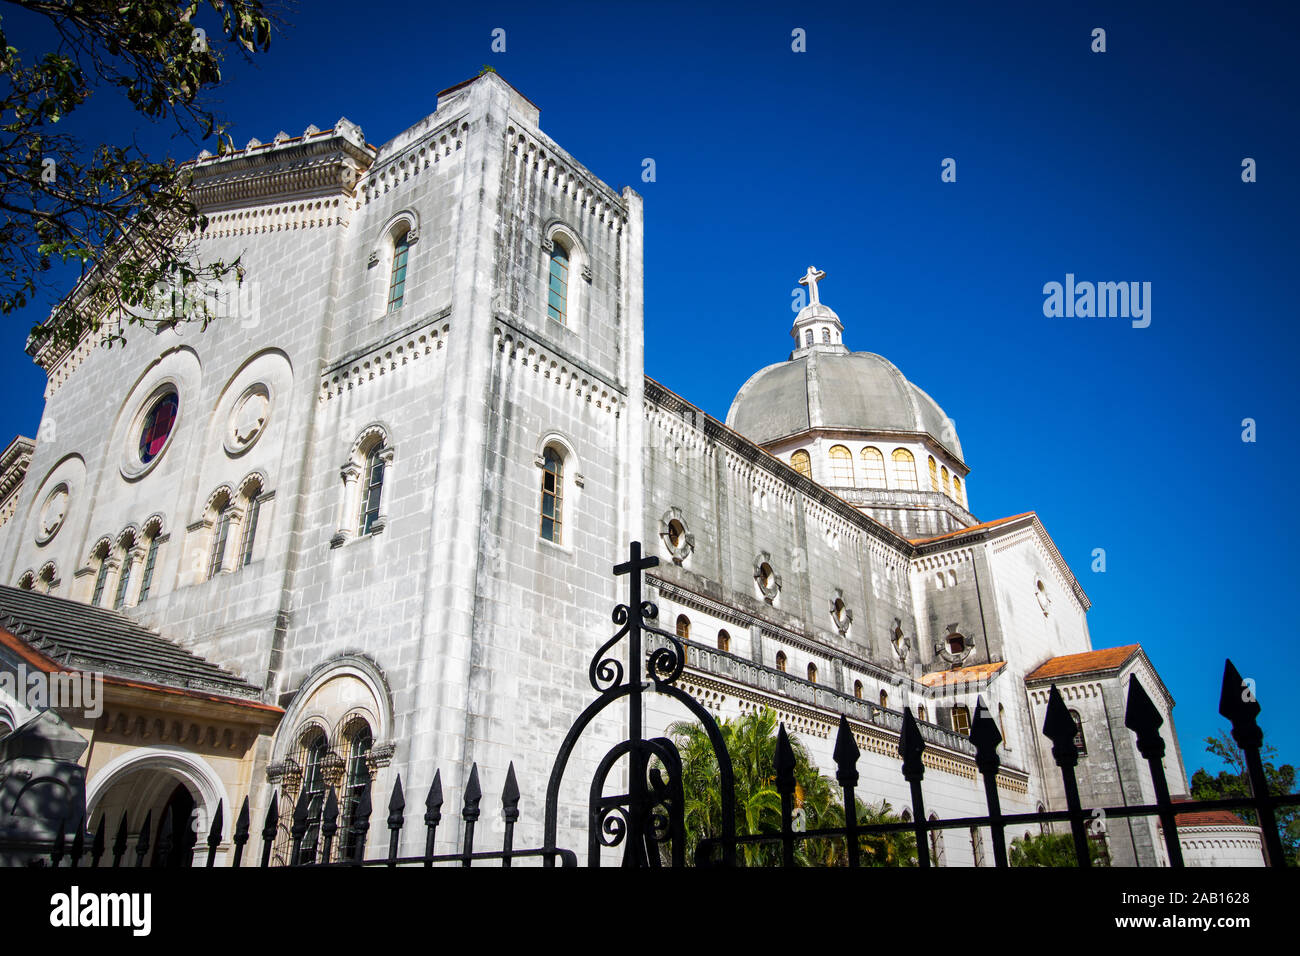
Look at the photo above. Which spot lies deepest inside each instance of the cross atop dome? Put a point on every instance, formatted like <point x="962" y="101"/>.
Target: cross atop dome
<point x="810" y="279"/>
<point x="816" y="325"/>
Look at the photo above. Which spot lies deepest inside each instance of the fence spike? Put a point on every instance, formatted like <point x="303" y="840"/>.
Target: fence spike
<point x="1238" y="705"/>
<point x="97" y="844"/>
<point x="785" y="780"/>
<point x="56" y="854"/>
<point x="396" y="806"/>
<point x="361" y="821"/>
<point x="1060" y="729"/>
<point x="984" y="734"/>
<point x="298" y="830"/>
<point x="846" y="772"/>
<point x="241" y="832"/>
<point x="214" y="833"/>
<point x="164" y="840"/>
<point x="473" y="794"/>
<point x="269" y="828"/>
<point x="329" y="823"/>
<point x="470" y="812"/>
<point x="785" y="785"/>
<point x="1143" y="718"/>
<point x="1237" y="702"/>
<point x="78" y="843"/>
<point x="142" y="842"/>
<point x="510" y="796"/>
<point x="846" y="755"/>
<point x="119" y="842"/>
<point x="432" y="815"/>
<point x="911" y="745"/>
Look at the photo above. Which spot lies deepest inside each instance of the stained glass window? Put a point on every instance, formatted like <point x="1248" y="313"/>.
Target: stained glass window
<point x="157" y="426"/>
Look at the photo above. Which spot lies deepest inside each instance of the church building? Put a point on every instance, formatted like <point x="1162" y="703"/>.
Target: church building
<point x="364" y="525"/>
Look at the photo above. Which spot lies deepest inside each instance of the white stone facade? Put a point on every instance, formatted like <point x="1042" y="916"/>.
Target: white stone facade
<point x="445" y="621"/>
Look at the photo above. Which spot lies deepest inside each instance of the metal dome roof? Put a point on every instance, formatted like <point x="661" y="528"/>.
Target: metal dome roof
<point x="833" y="388"/>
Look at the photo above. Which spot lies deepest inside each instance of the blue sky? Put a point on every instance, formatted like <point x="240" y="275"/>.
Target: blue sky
<point x="1115" y="166"/>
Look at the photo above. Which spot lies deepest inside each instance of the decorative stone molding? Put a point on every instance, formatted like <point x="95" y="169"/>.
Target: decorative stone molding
<point x="943" y="647"/>
<point x="841" y="615"/>
<point x="586" y="273"/>
<point x="287" y="773"/>
<point x="766" y="578"/>
<point x="380" y="756"/>
<point x="677" y="539"/>
<point x="389" y="357"/>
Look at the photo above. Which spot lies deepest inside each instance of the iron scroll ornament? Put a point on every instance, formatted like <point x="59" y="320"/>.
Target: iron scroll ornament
<point x="650" y="815"/>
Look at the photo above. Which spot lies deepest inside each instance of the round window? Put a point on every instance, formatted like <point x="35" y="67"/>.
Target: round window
<point x="157" y="426"/>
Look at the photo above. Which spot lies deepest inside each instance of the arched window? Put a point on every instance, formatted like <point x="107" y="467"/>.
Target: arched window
<point x="807" y="337"/>
<point x="947" y="488"/>
<point x="310" y="756"/>
<point x="826" y="336"/>
<point x="961" y="720"/>
<point x="252" y="496"/>
<point x="397" y="275"/>
<point x="904" y="469"/>
<point x="922" y="714"/>
<point x="802" y="463"/>
<point x="220" y="532"/>
<point x="724" y="641"/>
<point x="906" y="815"/>
<point x="934" y="475"/>
<point x="683" y="627"/>
<point x="46" y="578"/>
<point x="841" y="465"/>
<point x="152" y="531"/>
<point x="125" y="544"/>
<point x="557" y="295"/>
<point x="936" y="843"/>
<point x="977" y="845"/>
<point x="1002" y="726"/>
<point x="101" y="575"/>
<point x="873" y="467"/>
<point x="372" y="488"/>
<point x="812" y="672"/>
<point x="780" y="661"/>
<point x="956" y="491"/>
<point x="552" y="496"/>
<point x="1080" y="744"/>
<point x="27" y="582"/>
<point x="857" y="689"/>
<point x="157" y="426"/>
<point x="359" y="740"/>
<point x="884" y="699"/>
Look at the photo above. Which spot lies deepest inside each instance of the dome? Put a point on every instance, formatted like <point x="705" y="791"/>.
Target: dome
<point x="830" y="387"/>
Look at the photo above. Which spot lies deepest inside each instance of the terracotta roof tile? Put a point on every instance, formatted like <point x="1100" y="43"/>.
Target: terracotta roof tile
<point x="975" y="527"/>
<point x="1210" y="818"/>
<point x="963" y="675"/>
<point x="1106" y="659"/>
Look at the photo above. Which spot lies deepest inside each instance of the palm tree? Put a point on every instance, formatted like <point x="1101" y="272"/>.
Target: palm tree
<point x="750" y="743"/>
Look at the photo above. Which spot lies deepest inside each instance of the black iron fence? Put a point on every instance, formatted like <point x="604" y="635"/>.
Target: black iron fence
<point x="647" y="820"/>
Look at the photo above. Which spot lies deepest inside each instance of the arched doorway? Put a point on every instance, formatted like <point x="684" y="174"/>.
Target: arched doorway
<point x="146" y="785"/>
<point x="179" y="813"/>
